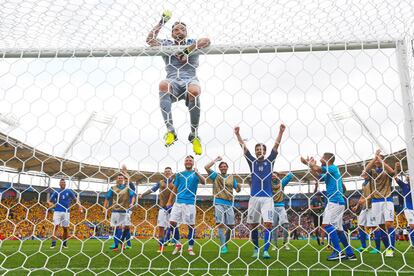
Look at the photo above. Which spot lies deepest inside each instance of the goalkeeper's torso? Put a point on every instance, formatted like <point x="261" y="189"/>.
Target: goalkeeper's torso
<point x="175" y="68"/>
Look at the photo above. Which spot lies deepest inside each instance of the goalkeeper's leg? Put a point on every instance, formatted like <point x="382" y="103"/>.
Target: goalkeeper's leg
<point x="193" y="103"/>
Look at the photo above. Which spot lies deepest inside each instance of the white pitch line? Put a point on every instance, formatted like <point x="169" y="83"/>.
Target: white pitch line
<point x="205" y="269"/>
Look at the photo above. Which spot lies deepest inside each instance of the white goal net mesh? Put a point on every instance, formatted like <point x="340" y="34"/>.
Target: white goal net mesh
<point x="80" y="99"/>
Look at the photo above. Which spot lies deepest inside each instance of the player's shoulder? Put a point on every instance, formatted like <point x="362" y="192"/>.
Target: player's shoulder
<point x="166" y="42"/>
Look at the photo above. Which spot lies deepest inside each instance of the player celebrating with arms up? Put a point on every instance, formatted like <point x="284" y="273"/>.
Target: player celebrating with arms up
<point x="181" y="82"/>
<point x="334" y="211"/>
<point x="261" y="194"/>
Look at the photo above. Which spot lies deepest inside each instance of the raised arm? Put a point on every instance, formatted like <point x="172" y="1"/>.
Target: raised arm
<point x="370" y="165"/>
<point x="311" y="163"/>
<point x="211" y="164"/>
<point x="173" y="193"/>
<point x="152" y="36"/>
<point x="240" y="140"/>
<point x="202" y="179"/>
<point x="279" y="137"/>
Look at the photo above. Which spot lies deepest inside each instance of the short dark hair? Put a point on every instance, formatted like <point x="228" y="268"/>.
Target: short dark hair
<point x="260" y="145"/>
<point x="331" y="157"/>
<point x="121" y="174"/>
<point x="62" y="179"/>
<point x="222" y="162"/>
<point x="192" y="157"/>
<point x="167" y="168"/>
<point x="179" y="23"/>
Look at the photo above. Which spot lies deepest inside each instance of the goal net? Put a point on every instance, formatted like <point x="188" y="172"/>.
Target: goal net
<point x="82" y="100"/>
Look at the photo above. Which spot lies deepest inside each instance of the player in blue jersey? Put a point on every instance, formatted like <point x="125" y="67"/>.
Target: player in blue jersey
<point x="332" y="216"/>
<point x="261" y="201"/>
<point x="408" y="200"/>
<point x="181" y="82"/>
<point x="61" y="200"/>
<point x="184" y="209"/>
<point x="123" y="200"/>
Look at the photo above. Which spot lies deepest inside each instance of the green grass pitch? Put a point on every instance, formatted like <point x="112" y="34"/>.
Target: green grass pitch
<point x="93" y="257"/>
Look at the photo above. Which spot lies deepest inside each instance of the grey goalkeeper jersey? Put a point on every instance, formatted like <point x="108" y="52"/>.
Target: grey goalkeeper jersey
<point x="175" y="68"/>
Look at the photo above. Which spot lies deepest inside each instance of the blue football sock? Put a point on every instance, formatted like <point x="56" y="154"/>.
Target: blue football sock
<point x="191" y="236"/>
<point x="363" y="237"/>
<point x="412" y="236"/>
<point x="176" y="234"/>
<point x="167" y="235"/>
<point x="385" y="239"/>
<point x="377" y="238"/>
<point x="391" y="235"/>
<point x="333" y="237"/>
<point x="118" y="236"/>
<point x="267" y="236"/>
<point x="128" y="236"/>
<point x="255" y="238"/>
<point x="344" y="241"/>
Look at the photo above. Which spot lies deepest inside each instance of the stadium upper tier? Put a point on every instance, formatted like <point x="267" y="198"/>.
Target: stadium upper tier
<point x="23" y="158"/>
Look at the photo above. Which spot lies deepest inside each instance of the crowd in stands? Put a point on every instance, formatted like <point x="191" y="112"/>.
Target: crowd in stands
<point x="32" y="219"/>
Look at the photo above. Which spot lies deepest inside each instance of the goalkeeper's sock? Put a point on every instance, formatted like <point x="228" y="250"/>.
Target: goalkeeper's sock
<point x="362" y="237"/>
<point x="191" y="236"/>
<point x="267" y="234"/>
<point x="228" y="234"/>
<point x="165" y="105"/>
<point x="333" y="237"/>
<point x="275" y="235"/>
<point x="255" y="238"/>
<point x="412" y="236"/>
<point x="344" y="241"/>
<point x="222" y="236"/>
<point x="194" y="108"/>
<point x="391" y="235"/>
<point x="377" y="238"/>
<point x="285" y="232"/>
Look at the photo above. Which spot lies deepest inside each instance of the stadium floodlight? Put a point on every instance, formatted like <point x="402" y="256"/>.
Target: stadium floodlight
<point x="9" y="122"/>
<point x="340" y="116"/>
<point x="100" y="118"/>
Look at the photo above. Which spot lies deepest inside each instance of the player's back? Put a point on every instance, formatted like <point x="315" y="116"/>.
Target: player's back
<point x="333" y="180"/>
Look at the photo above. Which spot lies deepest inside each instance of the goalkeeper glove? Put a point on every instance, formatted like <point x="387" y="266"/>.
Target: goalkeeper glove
<point x="166" y="15"/>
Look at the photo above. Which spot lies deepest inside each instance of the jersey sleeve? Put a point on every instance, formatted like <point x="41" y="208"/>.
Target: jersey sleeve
<point x="272" y="156"/>
<point x="131" y="193"/>
<point x="401" y="183"/>
<point x="53" y="197"/>
<point x="109" y="194"/>
<point x="166" y="42"/>
<point x="287" y="179"/>
<point x="73" y="194"/>
<point x="155" y="187"/>
<point x="249" y="159"/>
<point x="212" y="175"/>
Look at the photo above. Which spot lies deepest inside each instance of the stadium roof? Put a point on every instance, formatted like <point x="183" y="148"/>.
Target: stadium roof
<point x="23" y="158"/>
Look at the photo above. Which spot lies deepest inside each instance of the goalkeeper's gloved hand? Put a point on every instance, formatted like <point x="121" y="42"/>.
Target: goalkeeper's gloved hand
<point x="183" y="55"/>
<point x="166" y="15"/>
